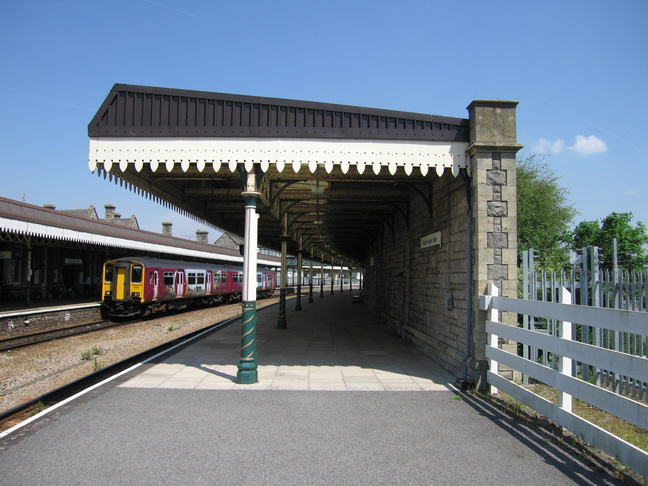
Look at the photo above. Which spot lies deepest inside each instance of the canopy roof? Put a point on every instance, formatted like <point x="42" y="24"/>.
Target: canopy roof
<point x="331" y="175"/>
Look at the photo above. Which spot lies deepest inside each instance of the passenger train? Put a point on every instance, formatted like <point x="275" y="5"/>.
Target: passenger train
<point x="134" y="286"/>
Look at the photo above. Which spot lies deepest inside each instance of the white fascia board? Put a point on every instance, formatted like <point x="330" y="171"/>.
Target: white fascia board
<point x="35" y="229"/>
<point x="162" y="153"/>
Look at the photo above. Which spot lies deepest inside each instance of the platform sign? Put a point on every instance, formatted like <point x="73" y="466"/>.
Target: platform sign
<point x="431" y="242"/>
<point x="5" y="255"/>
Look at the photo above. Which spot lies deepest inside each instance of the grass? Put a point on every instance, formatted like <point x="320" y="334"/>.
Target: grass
<point x="619" y="427"/>
<point x="90" y="353"/>
<point x="40" y="406"/>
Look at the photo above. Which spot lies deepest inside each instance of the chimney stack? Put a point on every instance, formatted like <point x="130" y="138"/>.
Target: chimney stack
<point x="117" y="215"/>
<point x="50" y="206"/>
<point x="110" y="212"/>
<point x="202" y="236"/>
<point x="167" y="229"/>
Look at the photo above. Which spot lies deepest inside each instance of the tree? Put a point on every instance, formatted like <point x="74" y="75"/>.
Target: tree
<point x="544" y="213"/>
<point x="631" y="250"/>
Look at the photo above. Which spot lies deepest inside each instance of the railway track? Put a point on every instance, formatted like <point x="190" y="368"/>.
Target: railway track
<point x="22" y="412"/>
<point x="49" y="335"/>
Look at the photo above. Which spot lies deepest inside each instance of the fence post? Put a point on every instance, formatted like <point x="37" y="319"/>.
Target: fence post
<point x="493" y="340"/>
<point x="565" y="365"/>
<point x="526" y="262"/>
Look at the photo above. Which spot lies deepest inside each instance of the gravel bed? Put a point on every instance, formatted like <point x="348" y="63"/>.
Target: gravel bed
<point x="29" y="372"/>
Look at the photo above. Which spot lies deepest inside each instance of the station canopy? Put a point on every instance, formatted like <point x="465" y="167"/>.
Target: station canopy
<point x="331" y="177"/>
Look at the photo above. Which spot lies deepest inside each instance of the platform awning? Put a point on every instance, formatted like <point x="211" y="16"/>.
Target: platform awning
<point x="331" y="175"/>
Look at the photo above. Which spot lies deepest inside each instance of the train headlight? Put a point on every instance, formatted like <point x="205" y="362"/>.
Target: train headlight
<point x="135" y="295"/>
<point x="108" y="293"/>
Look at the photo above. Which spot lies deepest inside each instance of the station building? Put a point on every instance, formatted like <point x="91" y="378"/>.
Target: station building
<point x="47" y="253"/>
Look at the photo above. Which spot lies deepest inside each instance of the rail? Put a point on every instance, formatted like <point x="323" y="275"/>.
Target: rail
<point x="567" y="353"/>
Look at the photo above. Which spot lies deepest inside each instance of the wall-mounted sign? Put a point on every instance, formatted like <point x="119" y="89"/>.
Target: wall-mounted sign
<point x="431" y="242"/>
<point x="5" y="255"/>
<point x="73" y="261"/>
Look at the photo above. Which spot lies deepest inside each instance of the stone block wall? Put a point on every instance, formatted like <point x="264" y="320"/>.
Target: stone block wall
<point x="423" y="294"/>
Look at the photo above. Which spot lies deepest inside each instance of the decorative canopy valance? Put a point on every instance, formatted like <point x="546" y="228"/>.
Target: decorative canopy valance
<point x="217" y="153"/>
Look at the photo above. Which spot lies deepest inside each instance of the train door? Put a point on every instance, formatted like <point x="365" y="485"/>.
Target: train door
<point x="154" y="281"/>
<point x="120" y="283"/>
<point x="209" y="282"/>
<point x="180" y="283"/>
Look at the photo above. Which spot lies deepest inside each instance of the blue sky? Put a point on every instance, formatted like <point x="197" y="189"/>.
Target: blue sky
<point x="578" y="68"/>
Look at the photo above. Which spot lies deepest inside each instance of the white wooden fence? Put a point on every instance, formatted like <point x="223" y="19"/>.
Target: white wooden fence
<point x="567" y="354"/>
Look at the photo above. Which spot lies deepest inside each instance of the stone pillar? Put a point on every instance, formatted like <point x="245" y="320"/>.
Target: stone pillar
<point x="494" y="205"/>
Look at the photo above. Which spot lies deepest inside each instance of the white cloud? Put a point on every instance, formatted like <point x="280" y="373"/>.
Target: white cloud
<point x="546" y="146"/>
<point x="588" y="145"/>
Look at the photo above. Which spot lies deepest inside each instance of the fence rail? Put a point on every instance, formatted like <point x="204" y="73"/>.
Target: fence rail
<point x="589" y="285"/>
<point x="568" y="356"/>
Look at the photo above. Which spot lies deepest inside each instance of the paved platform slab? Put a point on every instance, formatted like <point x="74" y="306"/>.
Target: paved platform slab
<point x="331" y="344"/>
<point x="340" y="401"/>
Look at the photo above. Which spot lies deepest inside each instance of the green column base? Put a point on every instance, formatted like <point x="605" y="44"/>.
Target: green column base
<point x="281" y="322"/>
<point x="247" y="372"/>
<point x="247" y="367"/>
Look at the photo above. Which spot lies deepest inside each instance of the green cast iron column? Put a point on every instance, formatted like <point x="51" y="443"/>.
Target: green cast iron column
<point x="310" y="283"/>
<point x="300" y="254"/>
<point x="281" y="322"/>
<point x="321" y="274"/>
<point x="247" y="367"/>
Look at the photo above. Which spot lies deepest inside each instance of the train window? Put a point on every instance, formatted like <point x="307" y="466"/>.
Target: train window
<point x="200" y="279"/>
<point x="108" y="276"/>
<point x="136" y="274"/>
<point x="259" y="278"/>
<point x="191" y="278"/>
<point x="238" y="277"/>
<point x="168" y="278"/>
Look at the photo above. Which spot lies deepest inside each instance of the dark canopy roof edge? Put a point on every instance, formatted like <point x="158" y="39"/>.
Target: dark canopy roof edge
<point x="142" y="111"/>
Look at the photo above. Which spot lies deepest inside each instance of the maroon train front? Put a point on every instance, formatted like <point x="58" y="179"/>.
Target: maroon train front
<point x="143" y="286"/>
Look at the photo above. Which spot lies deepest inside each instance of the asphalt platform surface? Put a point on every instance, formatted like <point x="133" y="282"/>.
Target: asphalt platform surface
<point x="340" y="401"/>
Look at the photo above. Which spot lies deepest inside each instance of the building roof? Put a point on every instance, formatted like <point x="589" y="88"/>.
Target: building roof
<point x="23" y="218"/>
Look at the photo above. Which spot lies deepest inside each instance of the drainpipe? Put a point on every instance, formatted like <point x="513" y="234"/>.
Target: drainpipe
<point x="469" y="276"/>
